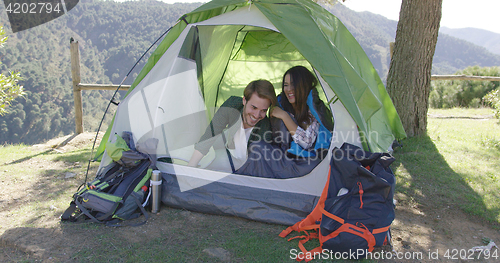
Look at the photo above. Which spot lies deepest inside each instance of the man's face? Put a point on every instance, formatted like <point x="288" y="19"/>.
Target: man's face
<point x="254" y="110"/>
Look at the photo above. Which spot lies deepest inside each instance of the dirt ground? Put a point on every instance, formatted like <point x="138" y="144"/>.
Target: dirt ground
<point x="419" y="231"/>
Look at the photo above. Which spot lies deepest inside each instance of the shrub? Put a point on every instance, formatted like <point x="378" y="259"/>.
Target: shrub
<point x="493" y="100"/>
<point x="463" y="93"/>
<point x="475" y="103"/>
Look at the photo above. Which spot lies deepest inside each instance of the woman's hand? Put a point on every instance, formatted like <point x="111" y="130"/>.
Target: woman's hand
<point x="277" y="112"/>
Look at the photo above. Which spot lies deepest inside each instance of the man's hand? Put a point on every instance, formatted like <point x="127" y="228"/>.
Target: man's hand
<point x="195" y="158"/>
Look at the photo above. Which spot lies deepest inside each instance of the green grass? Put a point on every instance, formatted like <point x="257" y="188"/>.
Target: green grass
<point x="462" y="112"/>
<point x="39" y="177"/>
<point x="180" y="241"/>
<point x="457" y="163"/>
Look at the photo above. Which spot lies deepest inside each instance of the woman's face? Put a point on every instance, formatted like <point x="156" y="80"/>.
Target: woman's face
<point x="289" y="89"/>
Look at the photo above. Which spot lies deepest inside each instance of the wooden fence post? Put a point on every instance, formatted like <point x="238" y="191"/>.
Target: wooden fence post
<point x="77" y="92"/>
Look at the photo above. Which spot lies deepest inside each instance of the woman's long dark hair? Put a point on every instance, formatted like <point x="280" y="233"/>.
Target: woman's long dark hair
<point x="303" y="82"/>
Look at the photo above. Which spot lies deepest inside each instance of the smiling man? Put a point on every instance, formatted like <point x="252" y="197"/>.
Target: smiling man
<point x="240" y="121"/>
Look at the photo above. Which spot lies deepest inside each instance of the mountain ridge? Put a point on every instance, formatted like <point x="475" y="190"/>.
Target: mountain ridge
<point x="487" y="39"/>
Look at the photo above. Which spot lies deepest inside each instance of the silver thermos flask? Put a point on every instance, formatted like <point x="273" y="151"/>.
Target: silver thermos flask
<point x="156" y="191"/>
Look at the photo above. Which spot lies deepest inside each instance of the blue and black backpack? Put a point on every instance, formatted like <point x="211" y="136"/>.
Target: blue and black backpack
<point x="356" y="208"/>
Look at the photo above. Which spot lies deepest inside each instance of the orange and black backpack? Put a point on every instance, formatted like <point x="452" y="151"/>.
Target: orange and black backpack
<point x="355" y="210"/>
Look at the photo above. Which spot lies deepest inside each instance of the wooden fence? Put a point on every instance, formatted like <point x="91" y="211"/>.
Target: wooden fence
<point x="464" y="77"/>
<point x="78" y="87"/>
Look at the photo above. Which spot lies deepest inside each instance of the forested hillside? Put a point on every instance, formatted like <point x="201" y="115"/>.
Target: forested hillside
<point x="112" y="36"/>
<point x="41" y="55"/>
<point x="489" y="40"/>
<point x="453" y="54"/>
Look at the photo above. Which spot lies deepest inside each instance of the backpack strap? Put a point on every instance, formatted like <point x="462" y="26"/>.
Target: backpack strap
<point x="75" y="206"/>
<point x="68" y="214"/>
<point x="86" y="212"/>
<point x="143" y="211"/>
<point x="78" y="204"/>
<point x="308" y="236"/>
<point x="355" y="230"/>
<point x="310" y="222"/>
<point x="381" y="230"/>
<point x="332" y="216"/>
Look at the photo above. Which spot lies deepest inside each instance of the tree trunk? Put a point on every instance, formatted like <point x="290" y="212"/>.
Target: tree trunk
<point x="409" y="78"/>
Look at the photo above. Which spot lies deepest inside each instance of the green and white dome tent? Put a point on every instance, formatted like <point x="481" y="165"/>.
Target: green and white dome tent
<point x="211" y="54"/>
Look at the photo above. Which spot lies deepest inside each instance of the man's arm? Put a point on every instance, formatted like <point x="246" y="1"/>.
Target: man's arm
<point x="225" y="115"/>
<point x="195" y="158"/>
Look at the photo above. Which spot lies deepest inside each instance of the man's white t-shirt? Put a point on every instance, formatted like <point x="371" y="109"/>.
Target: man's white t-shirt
<point x="240" y="144"/>
<point x="238" y="154"/>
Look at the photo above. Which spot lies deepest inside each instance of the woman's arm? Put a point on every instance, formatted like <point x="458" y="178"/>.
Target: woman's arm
<point x="306" y="138"/>
<point x="277" y="112"/>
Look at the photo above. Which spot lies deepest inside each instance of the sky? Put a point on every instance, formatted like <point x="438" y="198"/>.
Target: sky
<point x="455" y="14"/>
